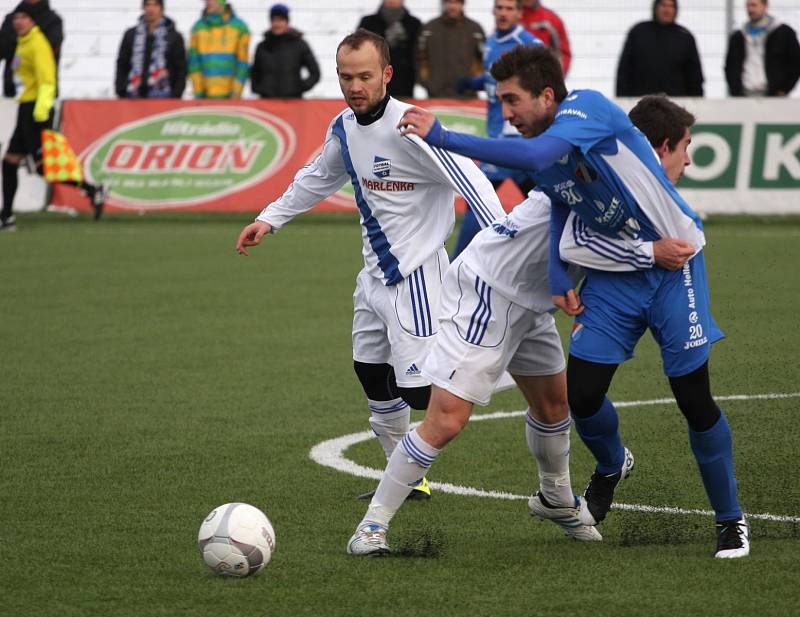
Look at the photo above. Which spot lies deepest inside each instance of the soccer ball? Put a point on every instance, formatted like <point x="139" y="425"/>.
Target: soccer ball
<point x="236" y="539"/>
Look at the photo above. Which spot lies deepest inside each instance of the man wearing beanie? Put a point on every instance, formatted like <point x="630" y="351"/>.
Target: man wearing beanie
<point x="660" y="56"/>
<point x="281" y="59"/>
<point x="151" y="62"/>
<point x="48" y="21"/>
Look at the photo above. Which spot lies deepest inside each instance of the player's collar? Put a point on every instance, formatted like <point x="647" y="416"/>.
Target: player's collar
<point x="374" y="114"/>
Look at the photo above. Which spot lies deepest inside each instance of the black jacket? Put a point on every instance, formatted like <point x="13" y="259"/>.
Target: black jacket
<point x="277" y="63"/>
<point x="49" y="23"/>
<point x="403" y="56"/>
<point x="659" y="58"/>
<point x="176" y="62"/>
<point x="781" y="61"/>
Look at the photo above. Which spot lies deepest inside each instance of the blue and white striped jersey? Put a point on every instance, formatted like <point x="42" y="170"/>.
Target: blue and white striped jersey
<point x="496" y="45"/>
<point x="404" y="190"/>
<point x="614" y="183"/>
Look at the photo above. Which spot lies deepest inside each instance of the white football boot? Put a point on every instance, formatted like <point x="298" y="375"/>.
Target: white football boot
<point x="369" y="539"/>
<point x="567" y="518"/>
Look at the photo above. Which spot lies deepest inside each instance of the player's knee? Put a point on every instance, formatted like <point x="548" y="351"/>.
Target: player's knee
<point x="693" y="396"/>
<point x="551" y="411"/>
<point x="417" y="398"/>
<point x="587" y="385"/>
<point x="11" y="163"/>
<point x="376" y="380"/>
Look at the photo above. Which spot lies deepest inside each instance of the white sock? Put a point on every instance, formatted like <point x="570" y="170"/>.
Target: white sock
<point x="549" y="444"/>
<point x="389" y="422"/>
<point x="407" y="465"/>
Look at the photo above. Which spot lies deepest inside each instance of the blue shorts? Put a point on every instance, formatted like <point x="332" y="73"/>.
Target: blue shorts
<point x="621" y="306"/>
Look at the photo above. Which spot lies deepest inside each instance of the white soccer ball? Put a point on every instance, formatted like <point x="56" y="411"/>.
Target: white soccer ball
<point x="236" y="539"/>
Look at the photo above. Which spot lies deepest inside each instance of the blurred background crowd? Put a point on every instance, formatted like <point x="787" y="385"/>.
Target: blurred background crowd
<point x="247" y="48"/>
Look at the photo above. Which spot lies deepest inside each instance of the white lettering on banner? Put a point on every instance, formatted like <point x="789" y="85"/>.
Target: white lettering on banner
<point x="719" y="162"/>
<point x="779" y="154"/>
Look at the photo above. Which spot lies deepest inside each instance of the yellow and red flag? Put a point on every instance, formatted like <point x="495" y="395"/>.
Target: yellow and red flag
<point x="58" y="159"/>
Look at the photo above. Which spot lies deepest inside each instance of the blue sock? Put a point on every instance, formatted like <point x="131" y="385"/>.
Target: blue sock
<point x="713" y="450"/>
<point x="601" y="435"/>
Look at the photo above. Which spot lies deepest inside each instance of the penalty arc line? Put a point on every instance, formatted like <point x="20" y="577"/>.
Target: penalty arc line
<point x="330" y="453"/>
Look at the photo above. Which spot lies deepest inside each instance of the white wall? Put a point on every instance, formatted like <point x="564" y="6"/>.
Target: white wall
<point x="596" y="28"/>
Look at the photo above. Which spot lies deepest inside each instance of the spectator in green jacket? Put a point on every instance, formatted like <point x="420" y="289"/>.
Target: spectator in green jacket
<point x="219" y="53"/>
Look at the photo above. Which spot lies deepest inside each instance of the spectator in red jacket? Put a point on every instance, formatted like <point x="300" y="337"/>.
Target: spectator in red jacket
<point x="545" y="25"/>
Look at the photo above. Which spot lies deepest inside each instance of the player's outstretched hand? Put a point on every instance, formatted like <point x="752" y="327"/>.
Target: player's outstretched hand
<point x="251" y="236"/>
<point x="671" y="253"/>
<point x="570" y="303"/>
<point x="416" y="121"/>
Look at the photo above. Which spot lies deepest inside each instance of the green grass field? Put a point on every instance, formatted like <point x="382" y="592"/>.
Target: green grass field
<point x="150" y="374"/>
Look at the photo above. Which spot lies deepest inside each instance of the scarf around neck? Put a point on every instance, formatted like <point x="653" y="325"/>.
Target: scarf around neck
<point x="157" y="74"/>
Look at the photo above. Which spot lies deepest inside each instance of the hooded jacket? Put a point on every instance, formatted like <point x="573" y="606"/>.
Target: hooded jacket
<point x="49" y="23"/>
<point x="277" y="64"/>
<point x="176" y="62"/>
<point x="219" y="55"/>
<point x="781" y="60"/>
<point x="659" y="58"/>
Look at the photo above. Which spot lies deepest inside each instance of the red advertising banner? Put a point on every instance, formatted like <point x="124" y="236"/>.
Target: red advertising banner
<point x="213" y="155"/>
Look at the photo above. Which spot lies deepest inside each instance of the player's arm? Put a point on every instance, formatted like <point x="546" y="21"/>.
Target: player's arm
<point x="582" y="246"/>
<point x="465" y="178"/>
<point x="561" y="286"/>
<point x="533" y="154"/>
<point x="313" y="183"/>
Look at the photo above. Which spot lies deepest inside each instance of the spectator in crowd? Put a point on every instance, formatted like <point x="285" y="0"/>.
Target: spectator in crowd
<point x="763" y="57"/>
<point x="218" y="53"/>
<point x="545" y="25"/>
<point x="450" y="46"/>
<point x="401" y="30"/>
<point x="660" y="57"/>
<point x="48" y="21"/>
<point x="509" y="34"/>
<point x="151" y="62"/>
<point x="277" y="71"/>
<point x="35" y="72"/>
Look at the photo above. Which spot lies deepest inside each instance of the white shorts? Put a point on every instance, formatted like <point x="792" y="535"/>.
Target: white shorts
<point x="482" y="333"/>
<point x="396" y="325"/>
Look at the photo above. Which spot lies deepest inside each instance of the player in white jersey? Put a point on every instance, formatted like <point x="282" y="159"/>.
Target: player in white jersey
<point x="495" y="315"/>
<point x="404" y="190"/>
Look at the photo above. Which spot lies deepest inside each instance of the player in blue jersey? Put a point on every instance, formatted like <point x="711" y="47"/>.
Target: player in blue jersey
<point x="508" y="34"/>
<point x="587" y="156"/>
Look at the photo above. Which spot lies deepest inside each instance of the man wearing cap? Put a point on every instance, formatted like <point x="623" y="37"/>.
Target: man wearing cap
<point x="281" y="60"/>
<point x="152" y="59"/>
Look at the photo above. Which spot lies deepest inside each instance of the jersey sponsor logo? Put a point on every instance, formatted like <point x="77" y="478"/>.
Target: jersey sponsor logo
<point x="381" y="167"/>
<point x="571" y="97"/>
<point x="609" y="212"/>
<point x="577" y="330"/>
<point x="189" y="155"/>
<point x="387" y="185"/>
<point x="693" y="317"/>
<point x="569" y="111"/>
<point x="506" y="228"/>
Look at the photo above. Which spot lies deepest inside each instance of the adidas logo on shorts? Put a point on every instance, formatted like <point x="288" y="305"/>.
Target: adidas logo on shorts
<point x="413" y="370"/>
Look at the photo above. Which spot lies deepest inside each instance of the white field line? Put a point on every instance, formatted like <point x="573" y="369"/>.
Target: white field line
<point x="330" y="453"/>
